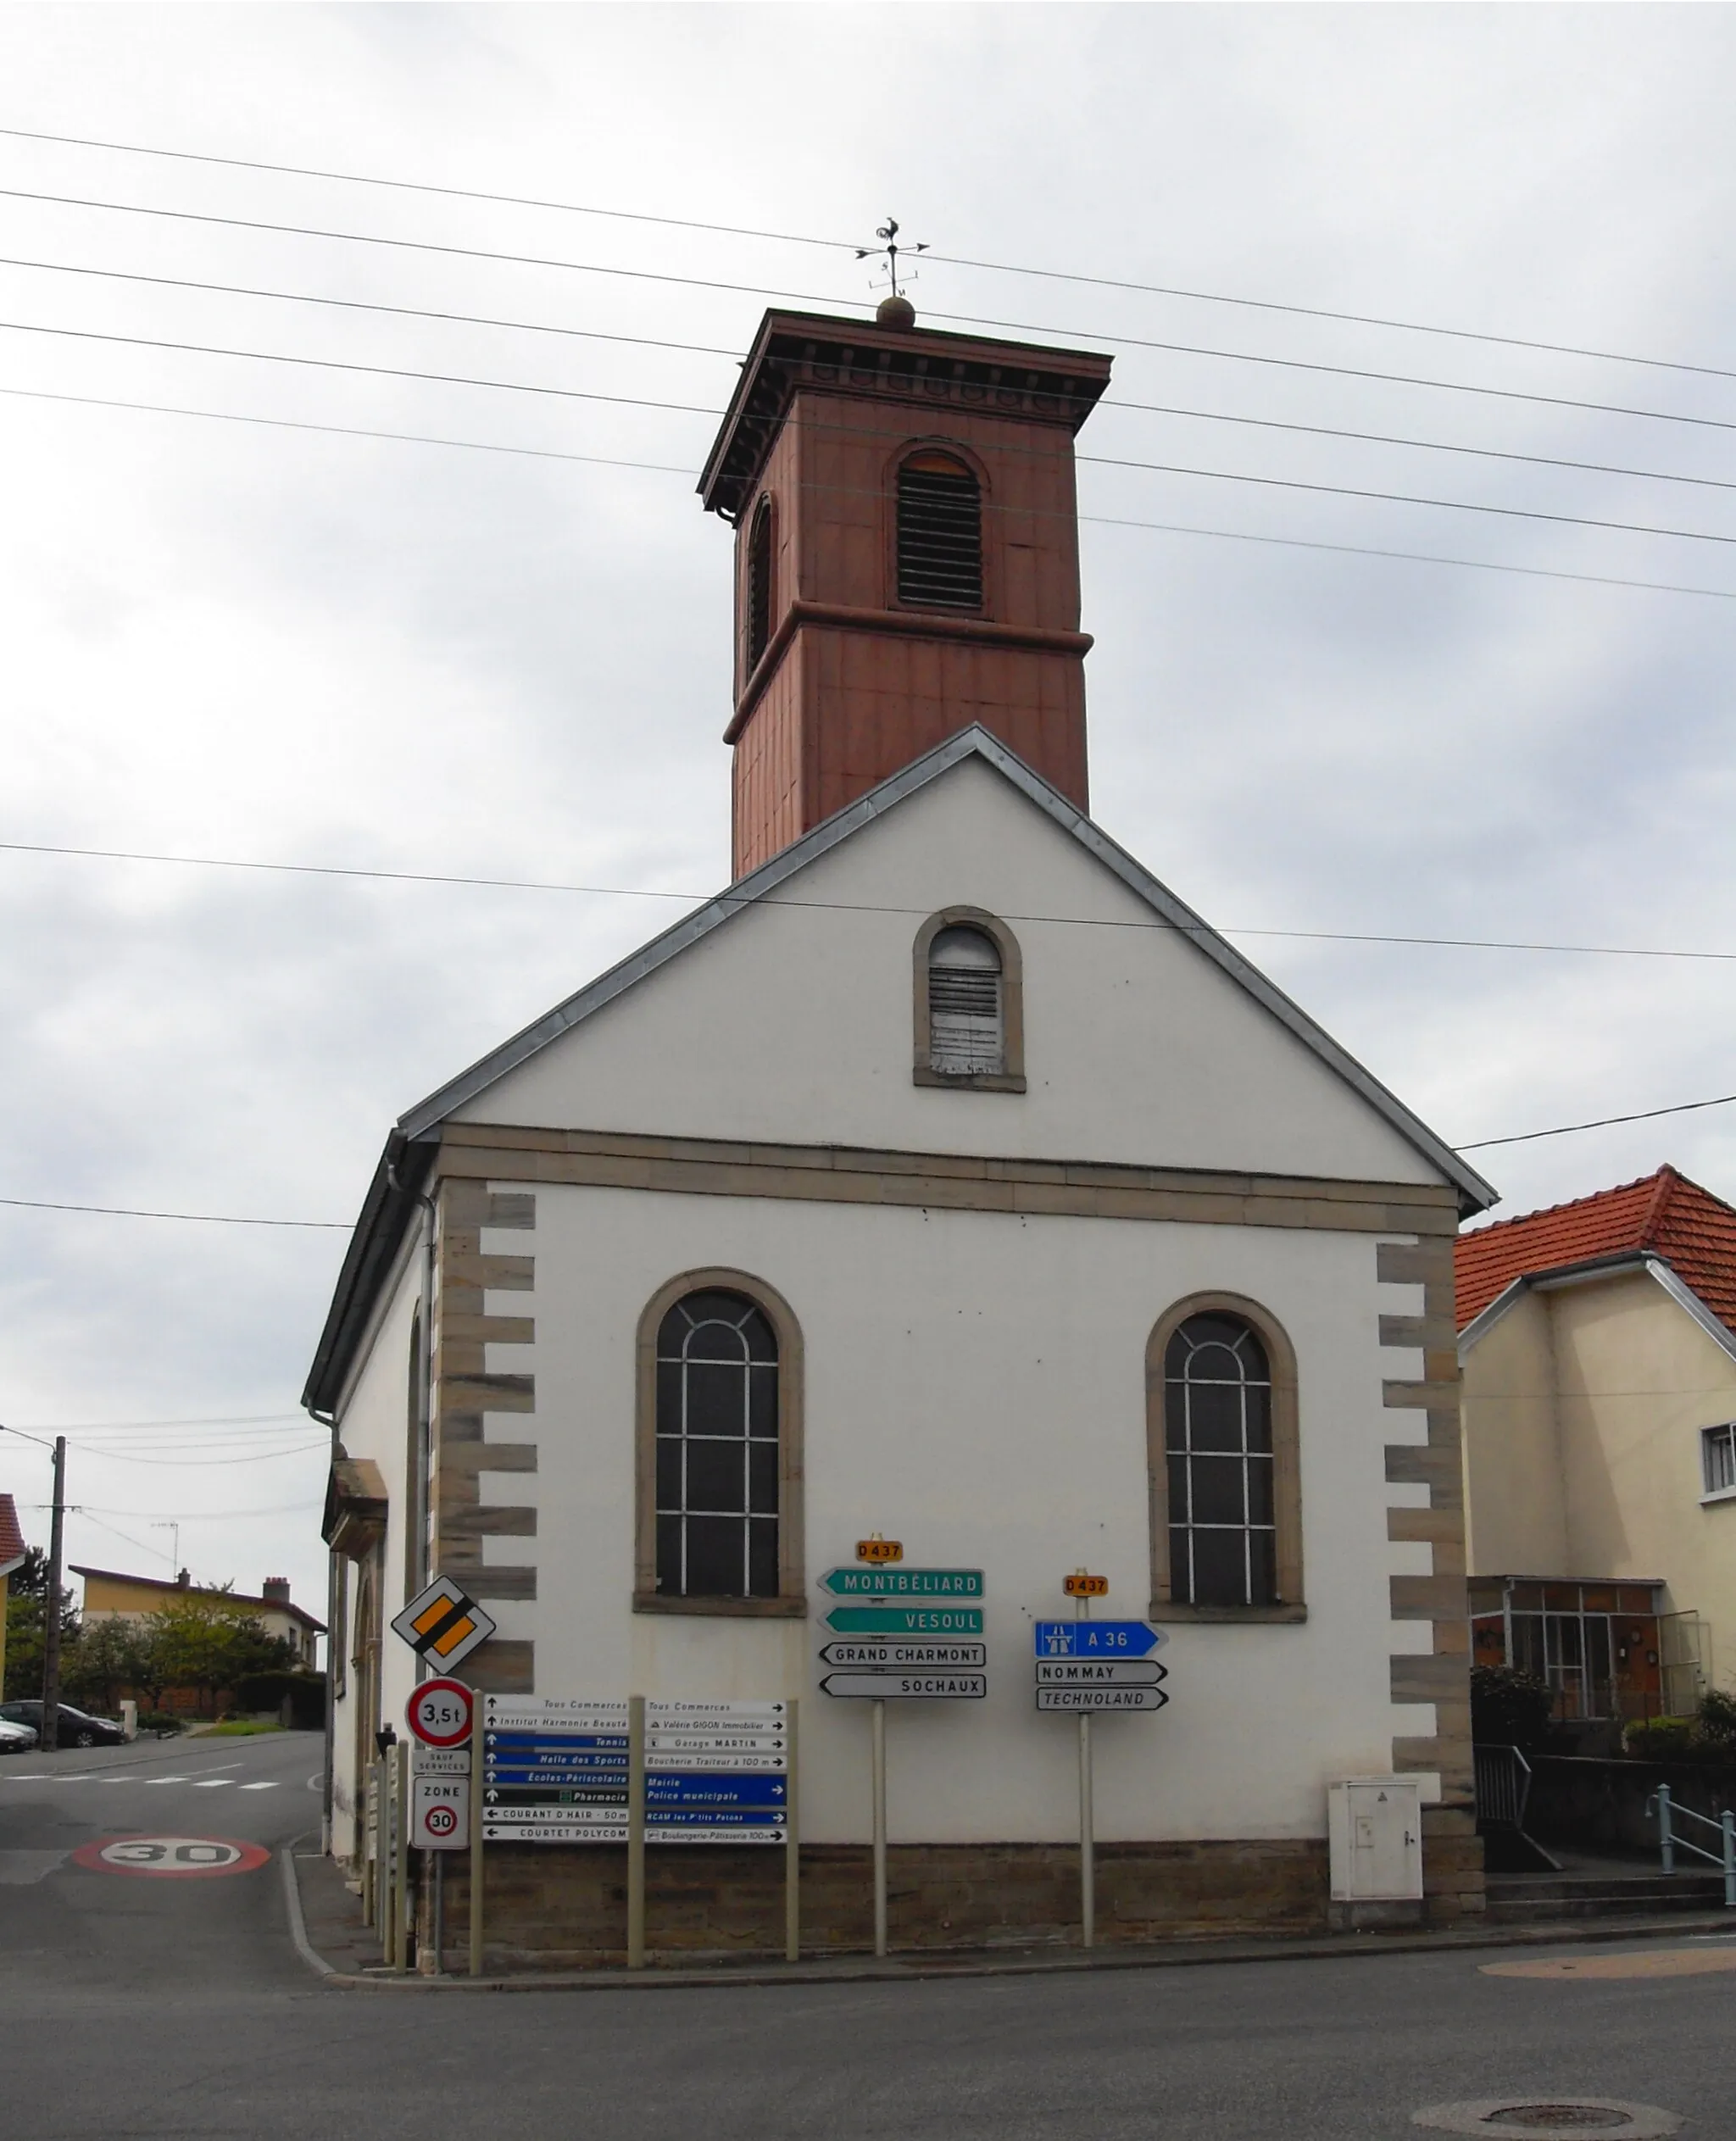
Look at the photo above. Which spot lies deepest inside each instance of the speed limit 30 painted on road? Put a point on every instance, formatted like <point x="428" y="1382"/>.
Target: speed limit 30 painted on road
<point x="184" y="1858"/>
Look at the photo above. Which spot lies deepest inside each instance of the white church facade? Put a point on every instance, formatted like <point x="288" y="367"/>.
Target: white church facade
<point x="945" y="1178"/>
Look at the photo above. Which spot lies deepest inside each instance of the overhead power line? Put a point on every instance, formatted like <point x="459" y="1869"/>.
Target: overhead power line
<point x="825" y="906"/>
<point x="1479" y="1144"/>
<point x="715" y="349"/>
<point x="664" y="468"/>
<point x="1601" y="1122"/>
<point x="693" y="408"/>
<point x="847" y="245"/>
<point x="1052" y="335"/>
<point x="128" y="1211"/>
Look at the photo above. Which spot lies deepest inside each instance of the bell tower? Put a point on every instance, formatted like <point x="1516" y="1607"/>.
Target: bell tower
<point x="907" y="559"/>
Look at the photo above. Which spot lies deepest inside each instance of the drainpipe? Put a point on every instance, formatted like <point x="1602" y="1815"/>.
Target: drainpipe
<point x="334" y="1634"/>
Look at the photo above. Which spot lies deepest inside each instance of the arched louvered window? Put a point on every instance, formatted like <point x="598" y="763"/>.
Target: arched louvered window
<point x="1218" y="1441"/>
<point x="940" y="533"/>
<point x="717" y="1449"/>
<point x="966" y="1028"/>
<point x="758" y="583"/>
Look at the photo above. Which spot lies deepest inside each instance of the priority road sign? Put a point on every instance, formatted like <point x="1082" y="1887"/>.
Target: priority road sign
<point x="905" y="1620"/>
<point x="1091" y="1698"/>
<point x="1099" y="1672"/>
<point x="903" y="1583"/>
<point x="438" y="1713"/>
<point x="896" y="1686"/>
<point x="1096" y="1638"/>
<point x="443" y="1623"/>
<point x="901" y="1656"/>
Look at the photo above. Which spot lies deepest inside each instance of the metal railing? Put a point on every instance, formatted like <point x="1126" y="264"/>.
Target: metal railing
<point x="1724" y="1828"/>
<point x="1503" y="1785"/>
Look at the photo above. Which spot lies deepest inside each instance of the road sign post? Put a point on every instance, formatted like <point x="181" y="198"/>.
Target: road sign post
<point x="1088" y="1839"/>
<point x="792" y="1854"/>
<point x="636" y="1831"/>
<point x="879" y="1763"/>
<point x="477" y="1749"/>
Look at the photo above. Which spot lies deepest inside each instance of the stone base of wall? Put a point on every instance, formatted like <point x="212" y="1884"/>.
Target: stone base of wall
<point x="558" y="1908"/>
<point x="1452" y="1866"/>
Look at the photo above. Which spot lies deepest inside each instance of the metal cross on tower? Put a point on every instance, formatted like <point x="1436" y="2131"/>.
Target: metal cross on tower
<point x="888" y="250"/>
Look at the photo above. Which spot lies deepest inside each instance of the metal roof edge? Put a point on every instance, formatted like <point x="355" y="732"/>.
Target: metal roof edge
<point x="390" y="1198"/>
<point x="1685" y="1298"/>
<point x="1487" y="1317"/>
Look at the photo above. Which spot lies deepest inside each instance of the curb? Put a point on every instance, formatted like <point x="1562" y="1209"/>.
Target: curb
<point x="297" y="1921"/>
<point x="851" y="1970"/>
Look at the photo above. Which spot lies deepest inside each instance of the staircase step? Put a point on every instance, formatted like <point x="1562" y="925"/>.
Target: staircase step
<point x="1512" y="1898"/>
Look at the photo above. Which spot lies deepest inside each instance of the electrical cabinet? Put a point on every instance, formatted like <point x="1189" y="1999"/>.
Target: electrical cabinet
<point x="1374" y="1830"/>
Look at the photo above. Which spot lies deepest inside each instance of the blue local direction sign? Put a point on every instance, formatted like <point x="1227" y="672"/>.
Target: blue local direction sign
<point x="904" y="1583"/>
<point x="906" y="1620"/>
<point x="1096" y="1638"/>
<point x="699" y="1787"/>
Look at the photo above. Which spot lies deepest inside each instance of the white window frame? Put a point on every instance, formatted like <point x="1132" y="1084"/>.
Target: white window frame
<point x="1717" y="1462"/>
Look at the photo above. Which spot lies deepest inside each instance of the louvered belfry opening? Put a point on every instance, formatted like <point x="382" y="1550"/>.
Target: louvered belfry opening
<point x="940" y="534"/>
<point x="760" y="583"/>
<point x="966" y="1029"/>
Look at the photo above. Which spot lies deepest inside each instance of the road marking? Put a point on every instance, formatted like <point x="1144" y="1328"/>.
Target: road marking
<point x="164" y="1780"/>
<point x="194" y="1857"/>
<point x="1649" y="1962"/>
<point x="271" y="1786"/>
<point x="213" y="1783"/>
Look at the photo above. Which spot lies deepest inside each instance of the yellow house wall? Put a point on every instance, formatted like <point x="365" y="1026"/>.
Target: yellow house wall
<point x="1635" y="1380"/>
<point x="1515" y="1506"/>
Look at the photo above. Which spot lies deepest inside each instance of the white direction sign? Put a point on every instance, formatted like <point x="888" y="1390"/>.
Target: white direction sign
<point x="495" y="1830"/>
<point x="1099" y="1672"/>
<point x="902" y="1687"/>
<point x="1100" y="1699"/>
<point x="552" y="1714"/>
<point x="900" y="1657"/>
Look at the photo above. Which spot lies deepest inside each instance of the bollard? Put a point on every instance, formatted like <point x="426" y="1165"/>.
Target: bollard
<point x="1665" y="1837"/>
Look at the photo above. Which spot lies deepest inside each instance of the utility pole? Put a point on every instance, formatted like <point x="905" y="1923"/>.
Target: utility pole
<point x="51" y="1626"/>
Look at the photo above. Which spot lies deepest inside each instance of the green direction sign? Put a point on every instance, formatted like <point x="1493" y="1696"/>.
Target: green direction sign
<point x="906" y="1620"/>
<point x="904" y="1583"/>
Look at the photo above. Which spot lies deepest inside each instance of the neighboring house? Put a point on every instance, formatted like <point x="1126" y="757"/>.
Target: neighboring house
<point x="110" y="1596"/>
<point x="12" y="1556"/>
<point x="946" y="1177"/>
<point x="1598" y="1344"/>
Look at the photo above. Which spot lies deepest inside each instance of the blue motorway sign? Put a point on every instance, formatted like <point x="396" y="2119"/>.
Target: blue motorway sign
<point x="1096" y="1638"/>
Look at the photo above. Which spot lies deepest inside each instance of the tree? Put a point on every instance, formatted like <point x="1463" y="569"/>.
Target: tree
<point x="206" y="1641"/>
<point x="25" y="1622"/>
<point x="109" y="1656"/>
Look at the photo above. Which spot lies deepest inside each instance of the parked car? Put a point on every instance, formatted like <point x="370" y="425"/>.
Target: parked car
<point x="15" y="1739"/>
<point x="78" y="1728"/>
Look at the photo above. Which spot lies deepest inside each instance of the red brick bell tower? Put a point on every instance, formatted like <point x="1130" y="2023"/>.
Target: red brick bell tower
<point x="907" y="559"/>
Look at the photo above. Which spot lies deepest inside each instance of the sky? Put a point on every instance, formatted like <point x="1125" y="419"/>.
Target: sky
<point x="247" y="641"/>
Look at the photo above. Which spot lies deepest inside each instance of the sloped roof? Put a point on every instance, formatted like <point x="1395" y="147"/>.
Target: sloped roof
<point x="12" y="1544"/>
<point x="1663" y="1215"/>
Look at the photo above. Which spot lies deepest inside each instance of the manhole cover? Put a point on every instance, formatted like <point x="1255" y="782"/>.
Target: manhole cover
<point x="1524" y="2118"/>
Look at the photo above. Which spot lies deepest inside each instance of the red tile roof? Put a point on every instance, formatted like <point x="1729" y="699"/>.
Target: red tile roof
<point x="1665" y="1214"/>
<point x="11" y="1538"/>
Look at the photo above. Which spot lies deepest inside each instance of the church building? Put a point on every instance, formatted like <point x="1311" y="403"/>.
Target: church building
<point x="946" y="1177"/>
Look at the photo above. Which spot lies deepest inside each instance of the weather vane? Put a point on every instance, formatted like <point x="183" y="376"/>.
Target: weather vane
<point x="888" y="250"/>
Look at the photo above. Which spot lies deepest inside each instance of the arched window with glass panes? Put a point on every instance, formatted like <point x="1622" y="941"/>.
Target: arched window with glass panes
<point x="717" y="1449"/>
<point x="1218" y="1446"/>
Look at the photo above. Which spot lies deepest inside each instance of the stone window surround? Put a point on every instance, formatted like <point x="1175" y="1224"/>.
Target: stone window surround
<point x="1011" y="1077"/>
<point x="1287" y="1489"/>
<point x="792" y="1601"/>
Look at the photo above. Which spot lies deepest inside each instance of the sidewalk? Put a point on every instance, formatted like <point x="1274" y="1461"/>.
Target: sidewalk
<point x="326" y="1923"/>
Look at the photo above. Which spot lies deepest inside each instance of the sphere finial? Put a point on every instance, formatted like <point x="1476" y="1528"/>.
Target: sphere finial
<point x="895" y="311"/>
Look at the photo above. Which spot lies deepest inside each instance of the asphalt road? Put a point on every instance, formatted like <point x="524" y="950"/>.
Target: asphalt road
<point x="134" y="2006"/>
